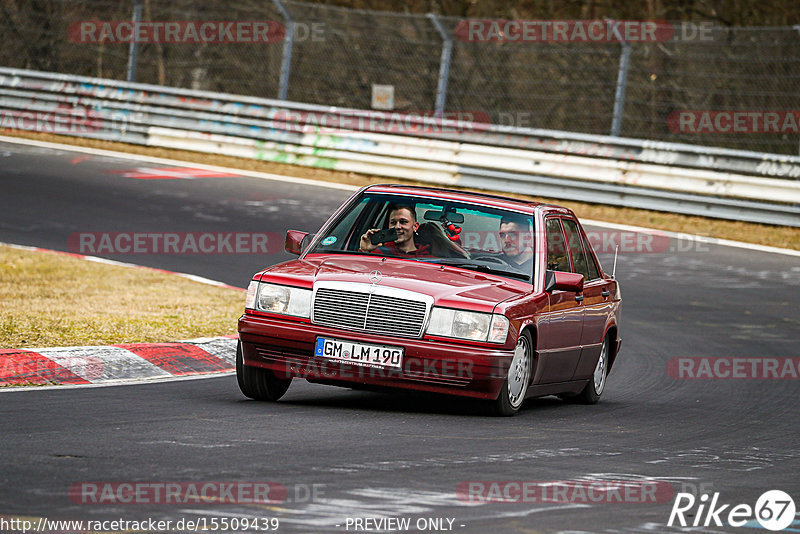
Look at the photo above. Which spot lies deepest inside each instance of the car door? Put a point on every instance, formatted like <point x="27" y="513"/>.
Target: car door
<point x="596" y="302"/>
<point x="561" y="347"/>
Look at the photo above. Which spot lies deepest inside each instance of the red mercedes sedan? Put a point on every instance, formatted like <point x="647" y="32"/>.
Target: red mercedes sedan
<point x="436" y="290"/>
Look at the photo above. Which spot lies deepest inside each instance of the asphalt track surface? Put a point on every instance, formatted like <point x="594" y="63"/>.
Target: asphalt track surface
<point x="372" y="455"/>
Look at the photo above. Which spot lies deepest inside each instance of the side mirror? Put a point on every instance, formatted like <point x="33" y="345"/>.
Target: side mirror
<point x="296" y="241"/>
<point x="563" y="281"/>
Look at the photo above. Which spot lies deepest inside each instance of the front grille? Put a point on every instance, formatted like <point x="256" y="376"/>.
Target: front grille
<point x="374" y="313"/>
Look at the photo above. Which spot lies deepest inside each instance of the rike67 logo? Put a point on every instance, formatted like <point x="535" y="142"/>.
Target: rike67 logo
<point x="774" y="510"/>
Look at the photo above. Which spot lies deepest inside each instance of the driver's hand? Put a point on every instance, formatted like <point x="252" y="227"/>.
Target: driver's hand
<point x="366" y="245"/>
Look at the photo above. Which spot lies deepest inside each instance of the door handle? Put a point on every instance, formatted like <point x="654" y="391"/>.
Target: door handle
<point x="579" y="298"/>
<point x="605" y="292"/>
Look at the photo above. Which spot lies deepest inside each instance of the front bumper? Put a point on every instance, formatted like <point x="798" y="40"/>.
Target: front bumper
<point x="287" y="348"/>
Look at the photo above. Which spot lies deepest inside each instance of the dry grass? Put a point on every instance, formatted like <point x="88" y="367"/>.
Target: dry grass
<point x="775" y="236"/>
<point x="51" y="299"/>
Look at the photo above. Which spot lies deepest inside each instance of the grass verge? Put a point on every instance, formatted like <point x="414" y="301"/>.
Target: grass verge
<point x="761" y="234"/>
<point x="54" y="300"/>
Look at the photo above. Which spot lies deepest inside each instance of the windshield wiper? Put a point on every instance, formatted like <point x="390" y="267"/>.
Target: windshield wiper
<point x="481" y="266"/>
<point x="334" y="251"/>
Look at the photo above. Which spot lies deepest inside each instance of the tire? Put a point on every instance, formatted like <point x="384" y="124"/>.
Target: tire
<point x="591" y="393"/>
<point x="512" y="395"/>
<point x="257" y="383"/>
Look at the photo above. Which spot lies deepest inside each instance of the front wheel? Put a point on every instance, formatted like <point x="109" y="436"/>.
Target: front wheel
<point x="591" y="393"/>
<point x="519" y="376"/>
<point x="257" y="383"/>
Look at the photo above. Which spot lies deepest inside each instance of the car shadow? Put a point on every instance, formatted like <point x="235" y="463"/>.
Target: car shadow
<point x="413" y="402"/>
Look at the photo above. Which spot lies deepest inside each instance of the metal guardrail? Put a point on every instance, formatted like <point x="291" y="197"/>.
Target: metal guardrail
<point x="686" y="179"/>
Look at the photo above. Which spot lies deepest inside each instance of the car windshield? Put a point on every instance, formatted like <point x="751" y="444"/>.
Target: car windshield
<point x="431" y="230"/>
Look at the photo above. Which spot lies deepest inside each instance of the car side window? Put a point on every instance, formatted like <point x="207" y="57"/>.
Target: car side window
<point x="594" y="272"/>
<point x="339" y="235"/>
<point x="557" y="259"/>
<point x="576" y="248"/>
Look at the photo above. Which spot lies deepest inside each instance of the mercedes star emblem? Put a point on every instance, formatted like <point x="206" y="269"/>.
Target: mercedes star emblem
<point x="375" y="277"/>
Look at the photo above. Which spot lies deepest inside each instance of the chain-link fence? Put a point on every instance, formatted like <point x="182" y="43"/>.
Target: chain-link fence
<point x="729" y="87"/>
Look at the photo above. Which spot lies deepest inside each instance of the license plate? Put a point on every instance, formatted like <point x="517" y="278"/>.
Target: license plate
<point x="364" y="354"/>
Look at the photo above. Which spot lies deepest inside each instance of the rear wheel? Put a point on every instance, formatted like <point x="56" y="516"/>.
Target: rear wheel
<point x="257" y="383"/>
<point x="591" y="393"/>
<point x="519" y="375"/>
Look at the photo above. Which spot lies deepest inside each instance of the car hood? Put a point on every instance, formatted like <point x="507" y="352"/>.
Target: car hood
<point x="449" y="286"/>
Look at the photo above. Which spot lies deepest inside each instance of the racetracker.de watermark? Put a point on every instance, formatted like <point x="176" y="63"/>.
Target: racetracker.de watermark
<point x="192" y="32"/>
<point x="325" y="367"/>
<point x="581" y="31"/>
<point x="197" y="492"/>
<point x="175" y="242"/>
<point x="733" y="368"/>
<point x="602" y="241"/>
<point x="389" y="122"/>
<point x="21" y="369"/>
<point x="729" y="121"/>
<point x="565" y="491"/>
<point x="66" y="120"/>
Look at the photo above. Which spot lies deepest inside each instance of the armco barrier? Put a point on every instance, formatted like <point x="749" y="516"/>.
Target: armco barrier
<point x="678" y="178"/>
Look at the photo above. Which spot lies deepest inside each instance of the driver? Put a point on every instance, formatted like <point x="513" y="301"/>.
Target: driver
<point x="403" y="219"/>
<point x="517" y="242"/>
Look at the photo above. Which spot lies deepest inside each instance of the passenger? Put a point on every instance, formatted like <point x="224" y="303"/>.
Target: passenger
<point x="402" y="218"/>
<point x="517" y="243"/>
<point x="441" y="246"/>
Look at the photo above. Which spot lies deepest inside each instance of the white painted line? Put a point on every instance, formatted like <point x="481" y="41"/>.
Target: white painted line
<point x="319" y="183"/>
<point x="201" y="340"/>
<point x="525" y="513"/>
<point x="204" y="280"/>
<point x="165" y="161"/>
<point x="695" y="238"/>
<point x="105" y="261"/>
<point x="128" y="382"/>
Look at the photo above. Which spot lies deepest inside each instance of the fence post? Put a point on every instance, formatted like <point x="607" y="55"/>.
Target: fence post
<point x="133" y="49"/>
<point x="444" y="65"/>
<point x="622" y="84"/>
<point x="797" y="29"/>
<point x="286" y="62"/>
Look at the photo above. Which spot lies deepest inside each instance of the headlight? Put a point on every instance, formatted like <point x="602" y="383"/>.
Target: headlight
<point x="250" y="299"/>
<point x="499" y="329"/>
<point x="474" y="326"/>
<point x="285" y="300"/>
